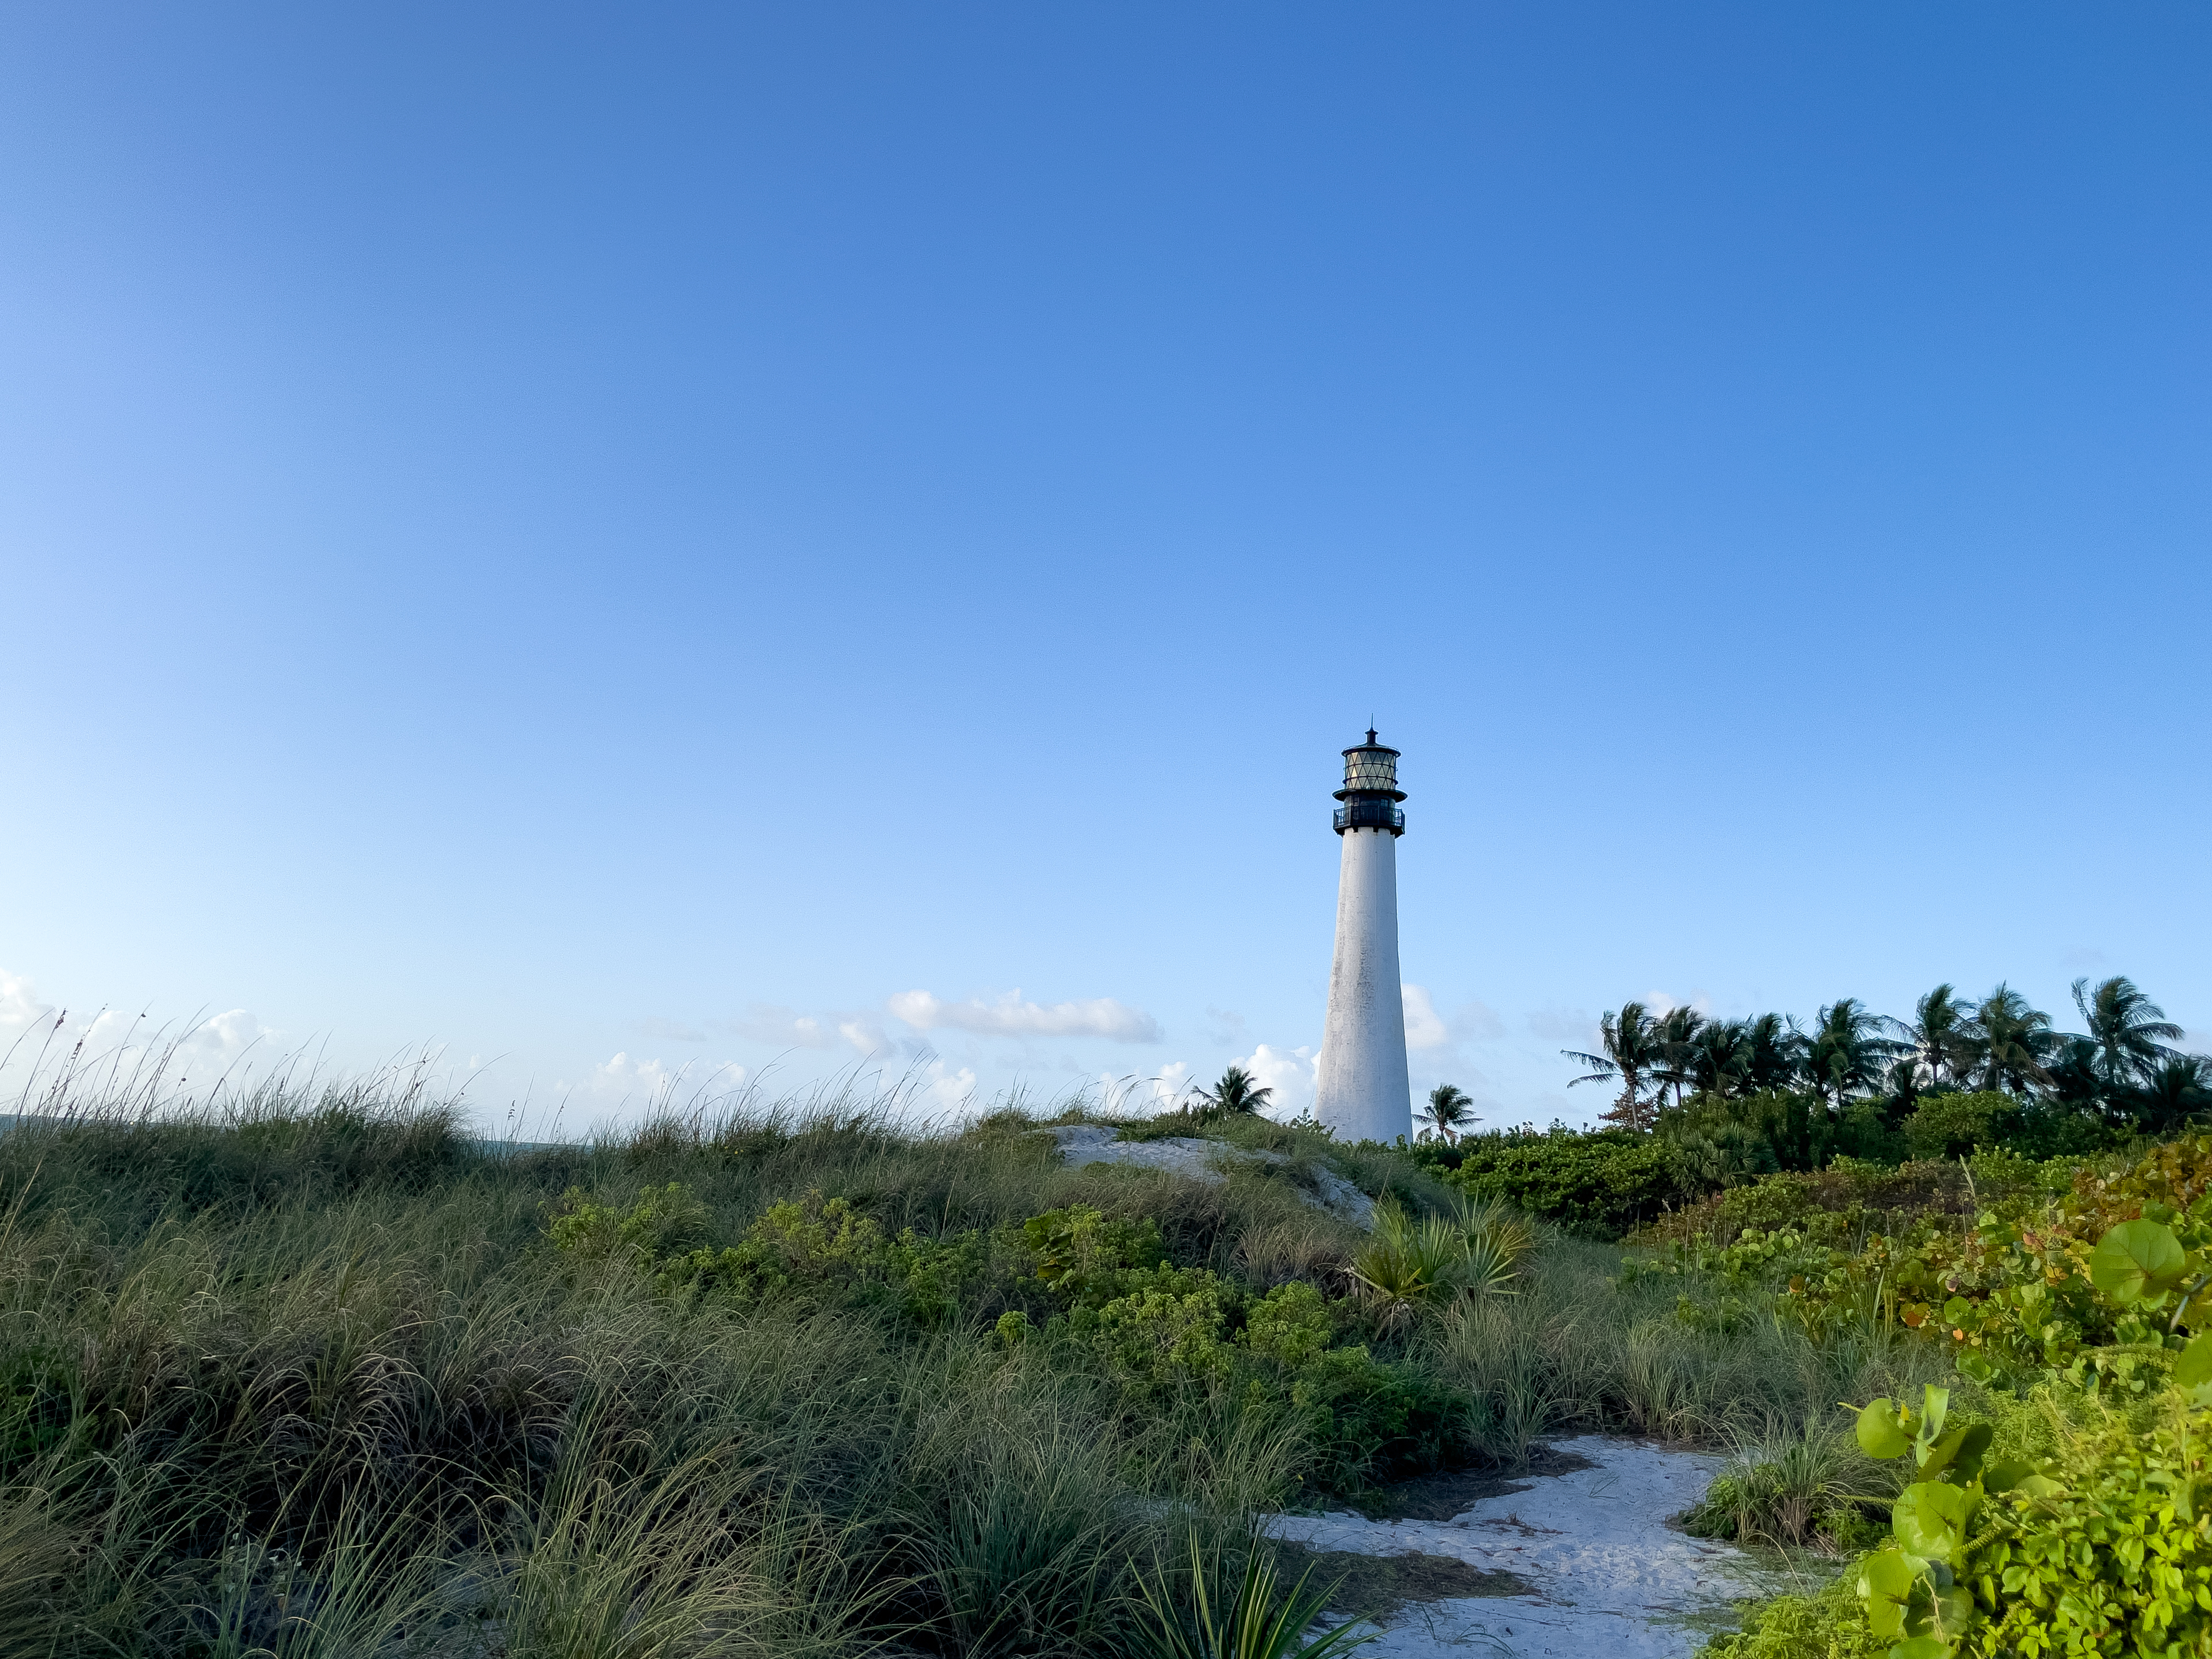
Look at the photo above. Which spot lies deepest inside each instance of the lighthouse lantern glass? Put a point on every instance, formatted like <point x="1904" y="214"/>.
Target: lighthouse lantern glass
<point x="1371" y="768"/>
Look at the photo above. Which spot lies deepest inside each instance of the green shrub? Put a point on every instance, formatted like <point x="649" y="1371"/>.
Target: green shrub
<point x="1954" y="1124"/>
<point x="1596" y="1183"/>
<point x="1187" y="1340"/>
<point x="2108" y="1549"/>
<point x="815" y="1252"/>
<point x="1825" y="1624"/>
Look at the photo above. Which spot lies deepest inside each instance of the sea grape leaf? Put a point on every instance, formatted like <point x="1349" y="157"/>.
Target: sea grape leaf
<point x="1930" y="1519"/>
<point x="2006" y="1473"/>
<point x="2192" y="1372"/>
<point x="1957" y="1455"/>
<point x="1885" y="1584"/>
<point x="1880" y="1434"/>
<point x="1934" y="1402"/>
<point x="2137" y="1259"/>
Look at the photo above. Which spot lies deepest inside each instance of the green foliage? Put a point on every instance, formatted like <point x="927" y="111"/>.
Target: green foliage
<point x="2079" y="1284"/>
<point x="815" y="1252"/>
<point x="1597" y="1184"/>
<point x="659" y="1223"/>
<point x="1788" y="1490"/>
<point x="1188" y="1340"/>
<point x="1721" y="1139"/>
<point x="1210" y="1619"/>
<point x="1079" y="1247"/>
<point x="1946" y="1125"/>
<point x="1825" y="1624"/>
<point x="2108" y="1549"/>
<point x="1412" y="1266"/>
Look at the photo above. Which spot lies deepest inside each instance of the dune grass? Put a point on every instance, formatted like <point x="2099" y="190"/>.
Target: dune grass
<point x="303" y="1375"/>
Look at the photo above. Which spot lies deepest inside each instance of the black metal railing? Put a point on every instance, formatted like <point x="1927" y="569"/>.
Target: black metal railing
<point x="1370" y="815"/>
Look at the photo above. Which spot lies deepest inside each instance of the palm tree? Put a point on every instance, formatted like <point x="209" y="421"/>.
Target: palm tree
<point x="1720" y="1058"/>
<point x="1937" y="1040"/>
<point x="1774" y="1045"/>
<point x="1844" y="1055"/>
<point x="1237" y="1091"/>
<point x="2126" y="1028"/>
<point x="1676" y="1035"/>
<point x="1630" y="1041"/>
<point x="2011" y="1041"/>
<point x="1903" y="1081"/>
<point x="1450" y="1107"/>
<point x="2180" y="1088"/>
<point x="2071" y="1077"/>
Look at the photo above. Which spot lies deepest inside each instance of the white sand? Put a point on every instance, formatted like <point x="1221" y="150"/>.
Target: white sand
<point x="1611" y="1577"/>
<point x="1200" y="1160"/>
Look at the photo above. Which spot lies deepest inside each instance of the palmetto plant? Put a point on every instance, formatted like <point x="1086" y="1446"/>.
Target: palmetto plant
<point x="2130" y="1030"/>
<point x="1633" y="1056"/>
<point x="1450" y="1110"/>
<point x="2011" y="1041"/>
<point x="1408" y="1267"/>
<point x="1243" y="1621"/>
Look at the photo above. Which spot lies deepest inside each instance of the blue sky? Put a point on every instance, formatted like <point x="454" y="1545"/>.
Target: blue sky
<point x="627" y="540"/>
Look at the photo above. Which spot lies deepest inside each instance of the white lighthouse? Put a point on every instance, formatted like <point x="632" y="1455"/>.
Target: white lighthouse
<point x="1361" y="1092"/>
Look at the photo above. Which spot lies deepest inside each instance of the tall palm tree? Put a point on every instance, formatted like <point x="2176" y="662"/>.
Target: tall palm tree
<point x="1449" y="1108"/>
<point x="1237" y="1091"/>
<point x="1844" y="1052"/>
<point x="2129" y="1030"/>
<point x="1720" y="1057"/>
<point x="1630" y="1041"/>
<point x="1677" y="1034"/>
<point x="1775" y="1044"/>
<point x="1938" y="1038"/>
<point x="2011" y="1041"/>
<point x="2178" y="1089"/>
<point x="2072" y="1078"/>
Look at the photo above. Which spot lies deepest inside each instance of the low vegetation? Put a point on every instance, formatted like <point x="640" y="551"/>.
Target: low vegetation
<point x="313" y="1372"/>
<point x="319" y="1375"/>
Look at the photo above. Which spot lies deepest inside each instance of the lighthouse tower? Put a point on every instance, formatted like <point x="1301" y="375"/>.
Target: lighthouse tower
<point x="1361" y="1092"/>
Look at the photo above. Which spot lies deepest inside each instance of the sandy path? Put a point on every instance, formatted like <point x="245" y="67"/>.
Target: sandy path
<point x="1611" y="1577"/>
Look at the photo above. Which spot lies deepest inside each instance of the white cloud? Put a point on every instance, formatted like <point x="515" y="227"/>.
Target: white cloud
<point x="217" y="1047"/>
<point x="1288" y="1071"/>
<point x="1424" y="1028"/>
<point x="1127" y="1092"/>
<point x="786" y="1028"/>
<point x="946" y="1089"/>
<point x="116" y="1051"/>
<point x="623" y="1081"/>
<point x="19" y="1007"/>
<point x="1661" y="1003"/>
<point x="1100" y="1017"/>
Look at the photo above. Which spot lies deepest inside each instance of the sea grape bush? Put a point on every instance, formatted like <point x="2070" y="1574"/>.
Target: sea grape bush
<point x="2022" y="1296"/>
<point x="816" y="1251"/>
<point x="1171" y="1335"/>
<point x="2080" y="1305"/>
<point x="2108" y="1551"/>
<point x="1597" y="1185"/>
